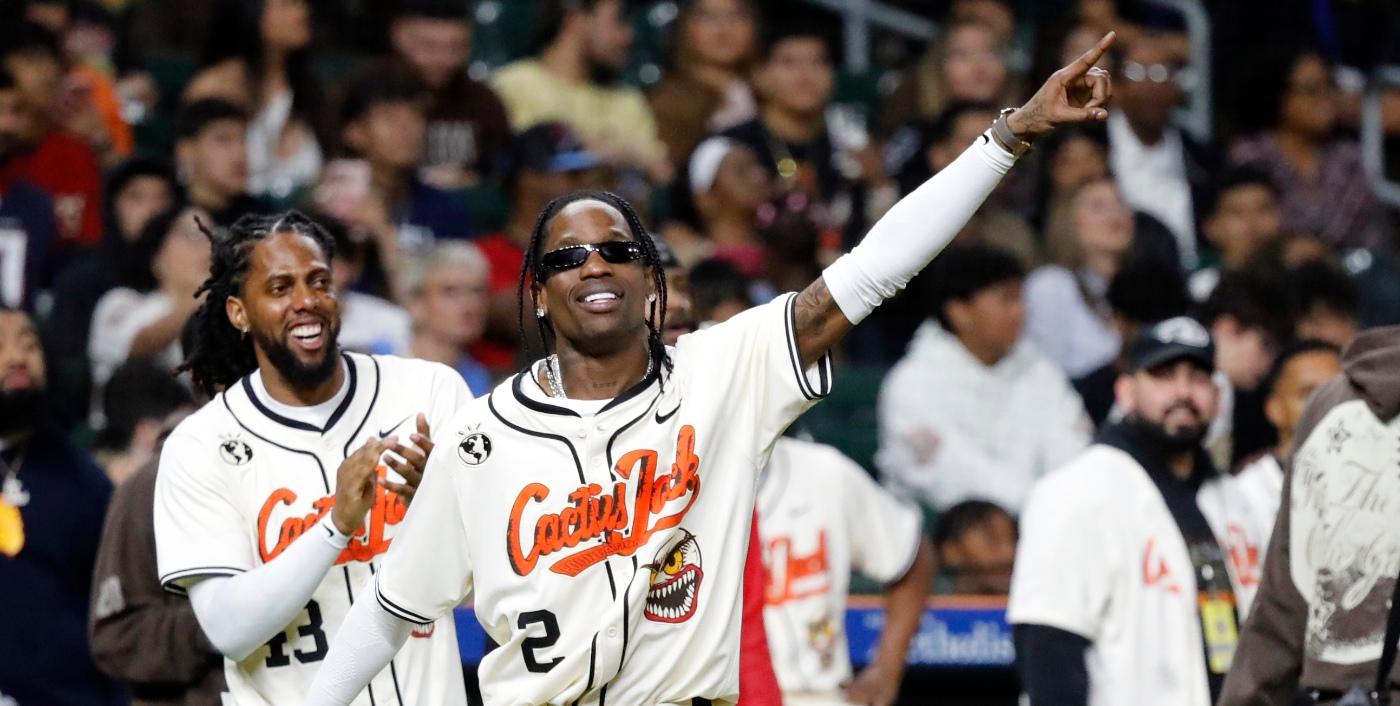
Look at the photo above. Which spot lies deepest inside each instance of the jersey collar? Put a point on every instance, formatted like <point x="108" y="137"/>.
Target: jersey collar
<point x="348" y="419"/>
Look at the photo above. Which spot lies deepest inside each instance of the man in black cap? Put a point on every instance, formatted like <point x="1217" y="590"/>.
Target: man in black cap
<point x="542" y="164"/>
<point x="1139" y="559"/>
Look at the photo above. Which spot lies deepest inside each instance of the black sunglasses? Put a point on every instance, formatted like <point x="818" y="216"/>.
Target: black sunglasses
<point x="571" y="256"/>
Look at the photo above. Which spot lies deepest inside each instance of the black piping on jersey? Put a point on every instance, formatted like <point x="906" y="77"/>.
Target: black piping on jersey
<point x="294" y="424"/>
<point x="325" y="480"/>
<point x="491" y="404"/>
<point x="393" y="672"/>
<point x="546" y="408"/>
<point x="823" y="364"/>
<point x="399" y="611"/>
<point x="167" y="581"/>
<point x="370" y="410"/>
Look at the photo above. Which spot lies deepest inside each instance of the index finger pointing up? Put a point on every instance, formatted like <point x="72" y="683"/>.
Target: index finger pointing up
<point x="1087" y="60"/>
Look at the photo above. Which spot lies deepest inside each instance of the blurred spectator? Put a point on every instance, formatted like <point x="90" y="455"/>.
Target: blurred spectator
<point x="1300" y="370"/>
<point x="705" y="88"/>
<point x="728" y="185"/>
<point x="143" y="317"/>
<point x="575" y="78"/>
<point x="445" y="292"/>
<point x="136" y="191"/>
<point x="802" y="144"/>
<point x="1067" y="316"/>
<point x="378" y="191"/>
<point x="1159" y="169"/>
<point x="719" y="291"/>
<point x="1241" y="222"/>
<point x="51" y="507"/>
<point x="143" y="635"/>
<point x="88" y="106"/>
<point x="543" y="163"/>
<point x="1069" y="159"/>
<point x="1005" y="415"/>
<point x="791" y="235"/>
<point x="368" y="323"/>
<point x="976" y="544"/>
<point x="27" y="229"/>
<point x="966" y="63"/>
<point x="1321" y="179"/>
<point x="140" y="403"/>
<point x="467" y="125"/>
<point x="257" y="57"/>
<point x="823" y="517"/>
<point x="680" y="303"/>
<point x="1319" y="620"/>
<point x="1327" y="302"/>
<point x="1138" y="560"/>
<point x="1250" y="316"/>
<point x="1141" y="293"/>
<point x="211" y="158"/>
<point x="46" y="156"/>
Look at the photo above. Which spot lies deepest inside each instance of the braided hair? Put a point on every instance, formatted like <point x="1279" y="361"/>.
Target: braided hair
<point x="219" y="353"/>
<point x="532" y="274"/>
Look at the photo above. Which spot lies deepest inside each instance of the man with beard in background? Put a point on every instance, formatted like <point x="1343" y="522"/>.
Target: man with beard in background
<point x="52" y="499"/>
<point x="1138" y="560"/>
<point x="300" y="448"/>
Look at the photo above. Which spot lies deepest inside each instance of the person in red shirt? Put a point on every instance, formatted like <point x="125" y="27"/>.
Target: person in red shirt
<point x="542" y="164"/>
<point x="49" y="158"/>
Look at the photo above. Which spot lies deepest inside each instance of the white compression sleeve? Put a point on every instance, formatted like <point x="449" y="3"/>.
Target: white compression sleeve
<point x="241" y="613"/>
<point x="914" y="230"/>
<point x="366" y="641"/>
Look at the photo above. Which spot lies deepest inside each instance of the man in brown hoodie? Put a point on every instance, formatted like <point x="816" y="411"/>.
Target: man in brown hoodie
<point x="1319" y="618"/>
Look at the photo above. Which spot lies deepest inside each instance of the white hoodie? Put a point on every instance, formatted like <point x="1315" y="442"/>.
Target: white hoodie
<point x="954" y="429"/>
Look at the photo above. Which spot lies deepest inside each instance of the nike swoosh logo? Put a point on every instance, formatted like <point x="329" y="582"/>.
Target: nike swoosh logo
<point x="663" y="418"/>
<point x="392" y="427"/>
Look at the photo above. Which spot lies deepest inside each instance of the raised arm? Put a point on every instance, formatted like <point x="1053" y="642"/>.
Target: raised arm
<point x="901" y="243"/>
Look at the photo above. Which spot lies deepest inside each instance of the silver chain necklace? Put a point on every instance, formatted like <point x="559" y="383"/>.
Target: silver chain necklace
<point x="555" y="374"/>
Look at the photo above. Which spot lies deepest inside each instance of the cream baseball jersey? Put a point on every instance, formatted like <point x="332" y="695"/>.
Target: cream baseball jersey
<point x="238" y="484"/>
<point x="604" y="544"/>
<point x="820" y="516"/>
<point x="1101" y="556"/>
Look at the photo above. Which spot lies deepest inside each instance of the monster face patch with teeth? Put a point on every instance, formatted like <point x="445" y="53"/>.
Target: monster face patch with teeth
<point x="675" y="582"/>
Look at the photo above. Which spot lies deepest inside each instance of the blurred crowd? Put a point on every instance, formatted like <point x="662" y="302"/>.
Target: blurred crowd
<point x="746" y="147"/>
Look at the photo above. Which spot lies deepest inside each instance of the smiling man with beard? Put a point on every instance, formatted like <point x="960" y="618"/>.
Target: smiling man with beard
<point x="275" y="501"/>
<point x="1138" y="560"/>
<point x="52" y="499"/>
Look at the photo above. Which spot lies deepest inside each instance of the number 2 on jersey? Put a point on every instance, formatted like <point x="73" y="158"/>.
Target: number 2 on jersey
<point x="539" y="642"/>
<point x="278" y="644"/>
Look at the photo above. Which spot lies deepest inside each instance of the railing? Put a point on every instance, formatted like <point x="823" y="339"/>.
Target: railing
<point x="1197" y="116"/>
<point x="1383" y="79"/>
<point x="858" y="16"/>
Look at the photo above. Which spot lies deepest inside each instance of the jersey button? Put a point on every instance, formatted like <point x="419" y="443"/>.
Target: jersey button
<point x="581" y="433"/>
<point x="612" y="633"/>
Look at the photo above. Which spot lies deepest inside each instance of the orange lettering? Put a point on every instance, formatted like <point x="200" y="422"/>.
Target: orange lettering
<point x="591" y="515"/>
<point x="369" y="541"/>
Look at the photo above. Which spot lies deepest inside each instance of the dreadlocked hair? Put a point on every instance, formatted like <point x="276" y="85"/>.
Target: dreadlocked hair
<point x="220" y="354"/>
<point x="532" y="275"/>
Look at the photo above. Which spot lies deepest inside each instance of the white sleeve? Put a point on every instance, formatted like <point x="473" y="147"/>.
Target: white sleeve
<point x="1064" y="574"/>
<point x="752" y="361"/>
<point x="241" y="613"/>
<point x="199" y="531"/>
<point x="915" y="229"/>
<point x="884" y="533"/>
<point x="428" y="569"/>
<point x="366" y="641"/>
